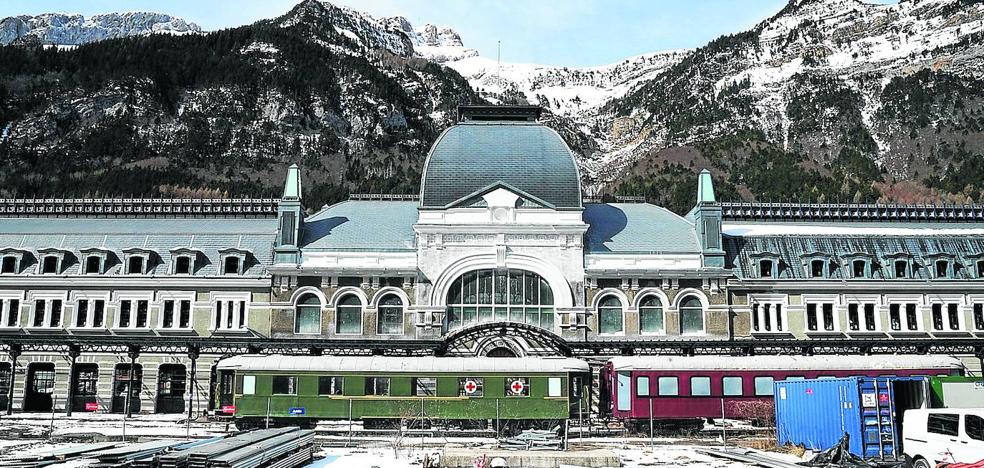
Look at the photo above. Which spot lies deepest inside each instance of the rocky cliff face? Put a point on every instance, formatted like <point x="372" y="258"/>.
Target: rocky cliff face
<point x="825" y="101"/>
<point x="62" y="29"/>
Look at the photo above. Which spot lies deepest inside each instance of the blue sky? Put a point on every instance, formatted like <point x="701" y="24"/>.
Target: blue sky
<point x="554" y="32"/>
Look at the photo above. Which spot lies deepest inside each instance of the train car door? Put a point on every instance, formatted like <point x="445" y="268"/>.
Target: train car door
<point x="4" y="384"/>
<point x="171" y="385"/>
<point x="84" y="380"/>
<point x="226" y="387"/>
<point x="121" y="382"/>
<point x="624" y="392"/>
<point x="40" y="386"/>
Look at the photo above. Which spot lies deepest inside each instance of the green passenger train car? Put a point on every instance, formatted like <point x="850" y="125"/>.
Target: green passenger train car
<point x="512" y="393"/>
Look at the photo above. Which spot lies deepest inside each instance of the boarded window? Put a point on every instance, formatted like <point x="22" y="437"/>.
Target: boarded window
<point x="554" y="387"/>
<point x="471" y="386"/>
<point x="517" y="387"/>
<point x="425" y="386"/>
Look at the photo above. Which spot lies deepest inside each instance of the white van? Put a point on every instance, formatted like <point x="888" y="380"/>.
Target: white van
<point x="951" y="435"/>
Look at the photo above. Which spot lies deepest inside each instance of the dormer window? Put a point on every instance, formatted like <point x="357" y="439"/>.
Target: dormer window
<point x="231" y="266"/>
<point x="859" y="269"/>
<point x="93" y="265"/>
<point x="9" y="265"/>
<point x="135" y="265"/>
<point x="818" y="268"/>
<point x="766" y="269"/>
<point x="49" y="265"/>
<point x="942" y="268"/>
<point x="980" y="268"/>
<point x="901" y="268"/>
<point x="182" y="265"/>
<point x="233" y="261"/>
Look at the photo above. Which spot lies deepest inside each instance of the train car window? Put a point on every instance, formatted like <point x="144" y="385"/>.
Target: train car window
<point x="517" y="386"/>
<point x="945" y="424"/>
<point x="330" y="385"/>
<point x="763" y="386"/>
<point x="732" y="386"/>
<point x="642" y="386"/>
<point x="249" y="385"/>
<point x="284" y="385"/>
<point x="377" y="386"/>
<point x="471" y="386"/>
<point x="700" y="386"/>
<point x="425" y="386"/>
<point x="795" y="377"/>
<point x="974" y="426"/>
<point x="826" y="377"/>
<point x="554" y="387"/>
<point x="668" y="386"/>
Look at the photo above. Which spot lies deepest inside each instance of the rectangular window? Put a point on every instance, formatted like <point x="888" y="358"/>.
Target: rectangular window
<point x="765" y="268"/>
<point x="517" y="387"/>
<point x="56" y="313"/>
<point x="859" y="268"/>
<point x="700" y="386"/>
<point x="231" y="266"/>
<point x="732" y="386"/>
<point x="642" y="386"/>
<point x="249" y="385"/>
<point x="81" y="313"/>
<point x="811" y="317"/>
<point x="668" y="386"/>
<point x="946" y="424"/>
<point x="98" y="312"/>
<point x="284" y="385"/>
<point x="895" y="316"/>
<point x="242" y="314"/>
<point x="38" y="313"/>
<point x="13" y="313"/>
<point x="377" y="386"/>
<point x="124" y="319"/>
<point x="425" y="386"/>
<point x="9" y="264"/>
<point x="184" y="314"/>
<point x="828" y="317"/>
<point x="330" y="385"/>
<point x="142" y="314"/>
<point x="763" y="386"/>
<point x="853" y="319"/>
<point x="135" y="266"/>
<point x="93" y="265"/>
<point x="937" y="316"/>
<point x="817" y="268"/>
<point x="182" y="265"/>
<point x="901" y="269"/>
<point x="167" y="320"/>
<point x="50" y="265"/>
<point x="953" y="316"/>
<point x="911" y="320"/>
<point x="554" y="387"/>
<point x="979" y="316"/>
<point x="218" y="315"/>
<point x="869" y="317"/>
<point x="471" y="386"/>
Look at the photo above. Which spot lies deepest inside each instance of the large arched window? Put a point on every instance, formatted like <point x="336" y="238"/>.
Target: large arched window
<point x="691" y="315"/>
<point x="390" y="321"/>
<point x="500" y="295"/>
<point x="307" y="314"/>
<point x="348" y="316"/>
<point x="651" y="314"/>
<point x="610" y="315"/>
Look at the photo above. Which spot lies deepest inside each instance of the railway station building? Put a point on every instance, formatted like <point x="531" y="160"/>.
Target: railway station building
<point x="500" y="254"/>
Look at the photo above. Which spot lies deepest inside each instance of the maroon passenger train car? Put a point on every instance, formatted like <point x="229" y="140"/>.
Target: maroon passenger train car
<point x="684" y="390"/>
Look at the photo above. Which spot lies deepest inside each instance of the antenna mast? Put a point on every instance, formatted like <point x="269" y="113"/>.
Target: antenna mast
<point x="498" y="62"/>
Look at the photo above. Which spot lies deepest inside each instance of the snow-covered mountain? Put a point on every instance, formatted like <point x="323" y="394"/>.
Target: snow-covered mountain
<point x="74" y="29"/>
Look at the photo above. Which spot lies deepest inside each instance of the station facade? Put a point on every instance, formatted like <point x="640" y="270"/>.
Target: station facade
<point x="500" y="254"/>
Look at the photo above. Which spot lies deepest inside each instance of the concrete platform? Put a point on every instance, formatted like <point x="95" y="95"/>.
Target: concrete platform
<point x="462" y="457"/>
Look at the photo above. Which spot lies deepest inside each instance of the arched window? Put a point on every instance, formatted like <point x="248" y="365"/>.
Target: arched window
<point x="307" y="314"/>
<point x="390" y="321"/>
<point x="691" y="315"/>
<point x="651" y="314"/>
<point x="610" y="315"/>
<point x="348" y="316"/>
<point x="497" y="295"/>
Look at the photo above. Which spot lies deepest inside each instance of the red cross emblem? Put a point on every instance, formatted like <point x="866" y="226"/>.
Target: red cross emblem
<point x="517" y="386"/>
<point x="470" y="386"/>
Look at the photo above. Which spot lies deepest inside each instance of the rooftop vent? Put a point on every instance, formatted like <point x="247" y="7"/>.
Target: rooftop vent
<point x="499" y="113"/>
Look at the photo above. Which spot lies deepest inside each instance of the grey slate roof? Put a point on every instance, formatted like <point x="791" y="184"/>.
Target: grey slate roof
<point x="792" y="248"/>
<point x="637" y="228"/>
<point x="473" y="156"/>
<point x="362" y="225"/>
<point x="207" y="235"/>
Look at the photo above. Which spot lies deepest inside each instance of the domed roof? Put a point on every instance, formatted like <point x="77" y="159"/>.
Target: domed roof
<point x="523" y="156"/>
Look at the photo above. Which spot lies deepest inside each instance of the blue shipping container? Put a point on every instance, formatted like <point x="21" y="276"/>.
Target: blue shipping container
<point x="816" y="413"/>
